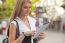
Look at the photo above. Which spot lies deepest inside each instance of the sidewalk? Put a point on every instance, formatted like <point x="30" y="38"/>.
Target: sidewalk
<point x="52" y="37"/>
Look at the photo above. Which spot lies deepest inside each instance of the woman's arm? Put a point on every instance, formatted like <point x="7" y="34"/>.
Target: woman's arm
<point x="12" y="35"/>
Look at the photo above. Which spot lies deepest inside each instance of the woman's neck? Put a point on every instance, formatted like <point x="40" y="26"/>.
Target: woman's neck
<point x="24" y="18"/>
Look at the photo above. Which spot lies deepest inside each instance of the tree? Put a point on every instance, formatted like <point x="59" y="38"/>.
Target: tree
<point x="9" y="6"/>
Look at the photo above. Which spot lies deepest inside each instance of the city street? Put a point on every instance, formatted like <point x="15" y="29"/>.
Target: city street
<point x="54" y="37"/>
<point x="51" y="37"/>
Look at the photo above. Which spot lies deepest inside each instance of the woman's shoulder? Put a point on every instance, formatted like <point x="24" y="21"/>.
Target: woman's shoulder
<point x="13" y="22"/>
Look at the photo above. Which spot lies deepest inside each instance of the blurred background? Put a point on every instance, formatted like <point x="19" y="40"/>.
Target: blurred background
<point x="54" y="11"/>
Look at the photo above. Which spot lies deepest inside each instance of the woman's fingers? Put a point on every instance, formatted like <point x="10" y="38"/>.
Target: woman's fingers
<point x="32" y="33"/>
<point x="42" y="35"/>
<point x="29" y="33"/>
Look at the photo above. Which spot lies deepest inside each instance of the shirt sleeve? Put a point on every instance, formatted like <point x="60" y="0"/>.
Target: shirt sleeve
<point x="13" y="23"/>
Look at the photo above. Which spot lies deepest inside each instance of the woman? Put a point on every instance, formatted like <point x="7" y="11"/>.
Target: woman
<point x="25" y="22"/>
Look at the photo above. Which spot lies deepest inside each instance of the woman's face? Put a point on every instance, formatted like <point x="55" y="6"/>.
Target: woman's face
<point x="26" y="8"/>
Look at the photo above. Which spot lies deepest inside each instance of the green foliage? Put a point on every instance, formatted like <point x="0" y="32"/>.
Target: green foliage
<point x="1" y="15"/>
<point x="9" y="6"/>
<point x="33" y="7"/>
<point x="33" y="3"/>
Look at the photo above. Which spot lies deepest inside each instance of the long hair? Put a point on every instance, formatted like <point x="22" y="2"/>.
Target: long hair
<point x="18" y="8"/>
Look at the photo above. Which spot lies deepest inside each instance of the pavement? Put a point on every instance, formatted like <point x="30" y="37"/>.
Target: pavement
<point x="51" y="37"/>
<point x="54" y="37"/>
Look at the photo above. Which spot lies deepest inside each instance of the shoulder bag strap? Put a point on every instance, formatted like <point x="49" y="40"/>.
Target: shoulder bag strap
<point x="17" y="30"/>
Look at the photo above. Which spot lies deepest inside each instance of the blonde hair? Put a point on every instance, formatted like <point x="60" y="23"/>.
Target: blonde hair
<point x="18" y="8"/>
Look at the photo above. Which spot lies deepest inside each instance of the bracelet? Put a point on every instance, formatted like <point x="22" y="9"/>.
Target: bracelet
<point x="23" y="34"/>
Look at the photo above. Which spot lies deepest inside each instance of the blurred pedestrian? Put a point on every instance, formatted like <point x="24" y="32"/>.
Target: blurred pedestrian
<point x="41" y="21"/>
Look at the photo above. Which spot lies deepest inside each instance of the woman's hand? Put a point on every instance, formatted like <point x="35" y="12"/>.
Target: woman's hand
<point x="29" y="33"/>
<point x="41" y="36"/>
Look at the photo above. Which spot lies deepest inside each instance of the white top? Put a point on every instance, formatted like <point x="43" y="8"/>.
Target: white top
<point x="23" y="27"/>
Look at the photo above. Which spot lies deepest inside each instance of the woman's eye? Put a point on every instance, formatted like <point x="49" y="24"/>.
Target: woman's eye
<point x="25" y="7"/>
<point x="29" y="7"/>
